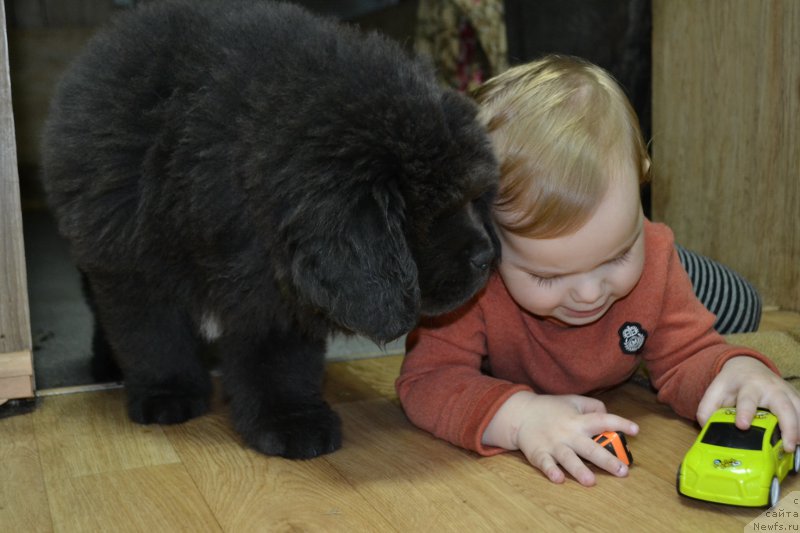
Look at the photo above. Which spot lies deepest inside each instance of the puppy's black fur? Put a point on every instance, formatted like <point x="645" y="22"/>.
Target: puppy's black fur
<point x="246" y="172"/>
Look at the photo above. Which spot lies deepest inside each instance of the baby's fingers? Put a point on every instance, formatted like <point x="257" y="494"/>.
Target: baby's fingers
<point x="716" y="396"/>
<point x="601" y="458"/>
<point x="561" y="455"/>
<point x="746" y="407"/>
<point x="606" y="422"/>
<point x="585" y="404"/>
<point x="546" y="463"/>
<point x="573" y="464"/>
<point x="786" y="408"/>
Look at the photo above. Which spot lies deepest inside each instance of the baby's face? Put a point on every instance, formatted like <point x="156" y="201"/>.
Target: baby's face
<point x="577" y="278"/>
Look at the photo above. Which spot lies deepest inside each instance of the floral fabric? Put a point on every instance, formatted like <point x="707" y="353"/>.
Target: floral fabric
<point x="466" y="39"/>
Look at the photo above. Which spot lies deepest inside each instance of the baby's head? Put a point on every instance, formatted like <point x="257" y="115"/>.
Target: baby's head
<point x="562" y="128"/>
<point x="568" y="210"/>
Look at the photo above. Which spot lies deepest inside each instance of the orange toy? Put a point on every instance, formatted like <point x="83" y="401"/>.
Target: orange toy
<point x="615" y="442"/>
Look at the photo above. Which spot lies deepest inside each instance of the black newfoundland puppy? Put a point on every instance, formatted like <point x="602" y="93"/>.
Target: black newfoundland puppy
<point x="247" y="173"/>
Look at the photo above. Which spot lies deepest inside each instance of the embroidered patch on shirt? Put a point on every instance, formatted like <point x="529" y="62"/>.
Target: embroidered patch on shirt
<point x="631" y="337"/>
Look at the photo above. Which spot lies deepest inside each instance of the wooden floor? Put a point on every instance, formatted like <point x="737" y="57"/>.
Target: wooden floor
<point x="77" y="464"/>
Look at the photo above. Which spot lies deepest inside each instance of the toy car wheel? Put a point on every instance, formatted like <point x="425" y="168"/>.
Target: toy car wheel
<point x="796" y="466"/>
<point x="774" y="492"/>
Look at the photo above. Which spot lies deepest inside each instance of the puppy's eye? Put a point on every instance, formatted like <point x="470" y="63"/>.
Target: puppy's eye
<point x="478" y="201"/>
<point x="484" y="198"/>
<point x="488" y="195"/>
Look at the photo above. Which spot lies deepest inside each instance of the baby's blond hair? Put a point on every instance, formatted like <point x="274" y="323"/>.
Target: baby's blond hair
<point x="561" y="127"/>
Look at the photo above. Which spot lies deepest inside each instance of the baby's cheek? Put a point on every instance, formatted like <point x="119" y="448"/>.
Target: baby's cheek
<point x="532" y="298"/>
<point x="544" y="301"/>
<point x="629" y="278"/>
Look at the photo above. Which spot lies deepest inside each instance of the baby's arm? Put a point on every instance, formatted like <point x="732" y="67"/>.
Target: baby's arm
<point x="552" y="430"/>
<point x="748" y="384"/>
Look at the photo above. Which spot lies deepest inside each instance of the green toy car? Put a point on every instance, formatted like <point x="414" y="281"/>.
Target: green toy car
<point x="735" y="467"/>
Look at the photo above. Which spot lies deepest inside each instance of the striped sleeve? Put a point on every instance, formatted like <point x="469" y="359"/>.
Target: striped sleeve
<point x="732" y="299"/>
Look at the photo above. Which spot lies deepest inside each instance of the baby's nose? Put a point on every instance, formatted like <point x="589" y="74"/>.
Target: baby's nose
<point x="587" y="290"/>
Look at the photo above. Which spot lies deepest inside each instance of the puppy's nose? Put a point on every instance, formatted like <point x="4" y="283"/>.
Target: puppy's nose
<point x="481" y="259"/>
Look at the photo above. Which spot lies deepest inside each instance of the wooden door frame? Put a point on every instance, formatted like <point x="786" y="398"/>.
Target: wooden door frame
<point x="16" y="353"/>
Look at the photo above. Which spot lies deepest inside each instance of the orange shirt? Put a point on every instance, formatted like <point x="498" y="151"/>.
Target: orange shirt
<point x="461" y="367"/>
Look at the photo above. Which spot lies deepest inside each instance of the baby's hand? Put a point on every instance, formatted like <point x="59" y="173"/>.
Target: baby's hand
<point x="558" y="430"/>
<point x="745" y="382"/>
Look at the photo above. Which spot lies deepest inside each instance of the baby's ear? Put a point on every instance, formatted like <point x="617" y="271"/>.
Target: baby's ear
<point x="356" y="266"/>
<point x="645" y="169"/>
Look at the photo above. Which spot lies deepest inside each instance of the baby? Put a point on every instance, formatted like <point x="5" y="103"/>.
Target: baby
<point x="586" y="289"/>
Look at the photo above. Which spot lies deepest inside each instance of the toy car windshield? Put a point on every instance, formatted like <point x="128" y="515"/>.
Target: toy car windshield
<point x="728" y="435"/>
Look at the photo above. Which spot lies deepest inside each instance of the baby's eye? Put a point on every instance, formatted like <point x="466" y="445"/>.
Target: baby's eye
<point x="545" y="281"/>
<point x="623" y="258"/>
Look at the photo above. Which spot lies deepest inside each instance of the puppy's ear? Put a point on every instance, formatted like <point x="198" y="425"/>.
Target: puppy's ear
<point x="356" y="266"/>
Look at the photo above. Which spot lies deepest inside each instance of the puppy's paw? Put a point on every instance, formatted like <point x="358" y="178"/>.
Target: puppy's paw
<point x="146" y="408"/>
<point x="296" y="434"/>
